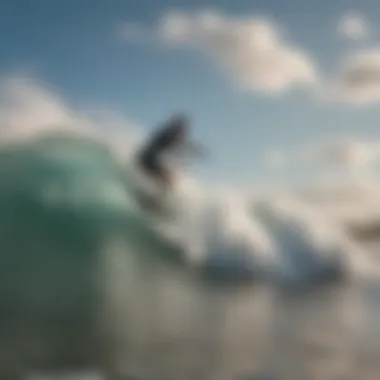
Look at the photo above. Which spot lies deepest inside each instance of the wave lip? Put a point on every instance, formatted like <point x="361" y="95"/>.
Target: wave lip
<point x="82" y="180"/>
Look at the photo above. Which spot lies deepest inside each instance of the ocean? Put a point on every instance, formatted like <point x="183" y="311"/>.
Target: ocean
<point x="223" y="286"/>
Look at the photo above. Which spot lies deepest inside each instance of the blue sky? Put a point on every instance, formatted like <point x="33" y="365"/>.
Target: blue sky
<point x="75" y="46"/>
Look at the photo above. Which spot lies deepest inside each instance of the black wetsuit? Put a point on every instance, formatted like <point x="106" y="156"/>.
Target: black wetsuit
<point x="165" y="139"/>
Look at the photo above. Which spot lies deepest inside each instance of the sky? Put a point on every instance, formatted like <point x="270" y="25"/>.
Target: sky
<point x="277" y="90"/>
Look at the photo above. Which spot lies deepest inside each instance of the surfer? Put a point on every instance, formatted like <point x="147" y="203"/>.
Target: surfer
<point x="171" y="138"/>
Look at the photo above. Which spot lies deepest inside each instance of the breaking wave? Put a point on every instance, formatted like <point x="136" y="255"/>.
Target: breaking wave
<point x="62" y="191"/>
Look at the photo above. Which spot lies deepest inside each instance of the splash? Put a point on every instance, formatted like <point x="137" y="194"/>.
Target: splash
<point x="75" y="190"/>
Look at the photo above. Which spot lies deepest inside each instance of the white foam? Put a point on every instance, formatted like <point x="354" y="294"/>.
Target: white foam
<point x="281" y="235"/>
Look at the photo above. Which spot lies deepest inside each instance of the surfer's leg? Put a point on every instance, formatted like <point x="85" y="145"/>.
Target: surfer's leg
<point x="146" y="163"/>
<point x="161" y="175"/>
<point x="152" y="166"/>
<point x="166" y="177"/>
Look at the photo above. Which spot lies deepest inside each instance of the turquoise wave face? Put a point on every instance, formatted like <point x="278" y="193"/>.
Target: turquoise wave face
<point x="60" y="185"/>
<point x="63" y="200"/>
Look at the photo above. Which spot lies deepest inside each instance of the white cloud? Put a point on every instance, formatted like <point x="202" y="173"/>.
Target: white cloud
<point x="345" y="153"/>
<point x="358" y="80"/>
<point x="28" y="108"/>
<point x="353" y="26"/>
<point x="351" y="194"/>
<point x="251" y="49"/>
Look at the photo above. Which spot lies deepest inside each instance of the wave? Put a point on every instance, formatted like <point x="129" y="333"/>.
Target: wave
<point x="62" y="191"/>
